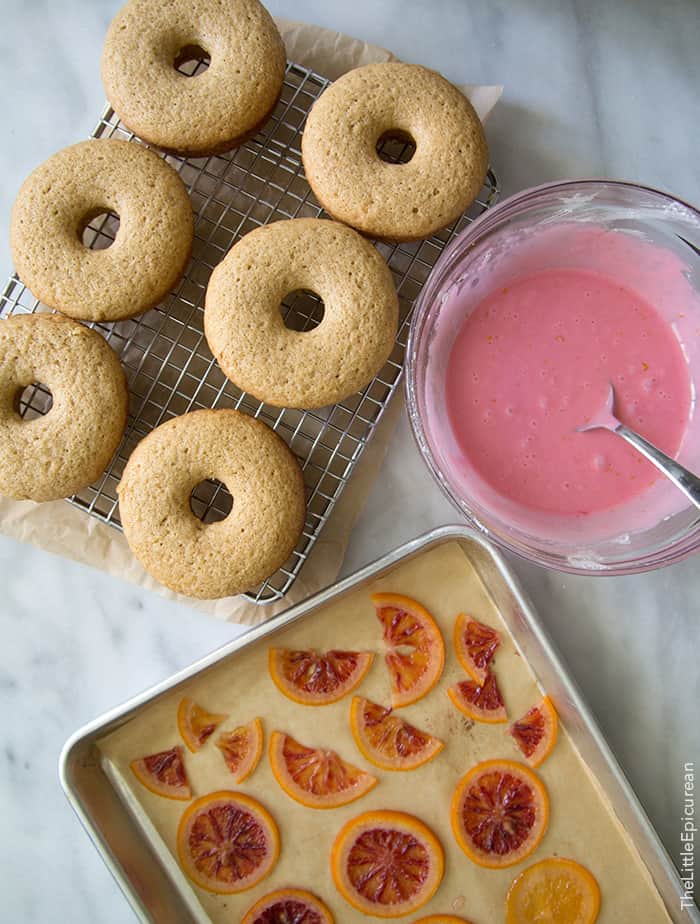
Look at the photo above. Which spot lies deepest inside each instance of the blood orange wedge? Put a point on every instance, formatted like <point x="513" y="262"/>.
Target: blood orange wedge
<point x="242" y="748"/>
<point x="536" y="733"/>
<point x="316" y="777"/>
<point x="288" y="906"/>
<point x="483" y="703"/>
<point x="388" y="741"/>
<point x="553" y="891"/>
<point x="475" y="646"/>
<point x="500" y="813"/>
<point x="227" y="842"/>
<point x="164" y="774"/>
<point x="195" y="724"/>
<point x="387" y="864"/>
<point x="315" y="678"/>
<point x="415" y="650"/>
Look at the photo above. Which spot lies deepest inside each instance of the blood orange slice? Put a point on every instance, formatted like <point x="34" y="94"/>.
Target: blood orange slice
<point x="388" y="741"/>
<point x="415" y="650"/>
<point x="164" y="774"/>
<point x="227" y="842"/>
<point x="387" y="864"/>
<point x="242" y="748"/>
<point x="555" y="890"/>
<point x="483" y="703"/>
<point x="442" y="919"/>
<point x="536" y="733"/>
<point x="288" y="906"/>
<point x="195" y="724"/>
<point x="500" y="813"/>
<point x="315" y="678"/>
<point x="475" y="646"/>
<point x="316" y="777"/>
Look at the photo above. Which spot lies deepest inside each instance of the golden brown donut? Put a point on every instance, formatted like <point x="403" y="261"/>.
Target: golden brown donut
<point x="215" y="559"/>
<point x="151" y="248"/>
<point x="69" y="447"/>
<point x="247" y="334"/>
<point x="398" y="202"/>
<point x="218" y="108"/>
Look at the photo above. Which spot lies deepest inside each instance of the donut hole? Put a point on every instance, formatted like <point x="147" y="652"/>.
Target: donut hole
<point x="34" y="400"/>
<point x="211" y="501"/>
<point x="396" y="146"/>
<point x="99" y="229"/>
<point x="192" y="60"/>
<point x="302" y="310"/>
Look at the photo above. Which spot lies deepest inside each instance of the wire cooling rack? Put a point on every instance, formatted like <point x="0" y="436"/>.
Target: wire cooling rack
<point x="169" y="367"/>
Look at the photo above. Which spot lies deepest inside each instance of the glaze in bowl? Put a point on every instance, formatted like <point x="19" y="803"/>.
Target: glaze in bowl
<point x="662" y="234"/>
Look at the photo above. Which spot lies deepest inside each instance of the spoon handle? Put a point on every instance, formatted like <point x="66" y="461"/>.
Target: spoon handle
<point x="680" y="476"/>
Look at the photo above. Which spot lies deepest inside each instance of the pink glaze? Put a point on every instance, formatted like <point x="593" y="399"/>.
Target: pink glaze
<point x="533" y="360"/>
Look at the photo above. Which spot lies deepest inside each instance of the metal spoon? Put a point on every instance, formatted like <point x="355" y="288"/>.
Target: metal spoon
<point x="680" y="476"/>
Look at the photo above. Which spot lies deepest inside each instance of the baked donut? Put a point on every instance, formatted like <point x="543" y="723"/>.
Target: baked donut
<point x="399" y="202"/>
<point x="208" y="113"/>
<point x="59" y="199"/>
<point x="287" y="368"/>
<point x="69" y="447"/>
<point x="230" y="556"/>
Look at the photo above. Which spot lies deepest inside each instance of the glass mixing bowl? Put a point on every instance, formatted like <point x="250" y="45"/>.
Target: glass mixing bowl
<point x="659" y="526"/>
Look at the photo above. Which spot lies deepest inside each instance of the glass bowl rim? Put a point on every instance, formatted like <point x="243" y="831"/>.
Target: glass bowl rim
<point x="665" y="555"/>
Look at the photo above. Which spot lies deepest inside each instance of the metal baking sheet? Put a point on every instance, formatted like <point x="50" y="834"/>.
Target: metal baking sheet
<point x="169" y="367"/>
<point x="116" y="825"/>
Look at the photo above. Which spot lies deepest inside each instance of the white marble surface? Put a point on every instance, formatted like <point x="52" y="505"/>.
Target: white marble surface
<point x="604" y="87"/>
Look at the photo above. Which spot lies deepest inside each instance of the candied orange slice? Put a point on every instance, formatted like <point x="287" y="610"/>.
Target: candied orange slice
<point x="164" y="774"/>
<point x="500" y="812"/>
<point x="475" y="646"/>
<point x="483" y="703"/>
<point x="536" y="733"/>
<point x="415" y="650"/>
<point x="387" y="864"/>
<point x="442" y="919"/>
<point x="227" y="842"/>
<point x="553" y="891"/>
<point x="316" y="777"/>
<point x="388" y="741"/>
<point x="242" y="748"/>
<point x="195" y="724"/>
<point x="315" y="678"/>
<point x="288" y="906"/>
